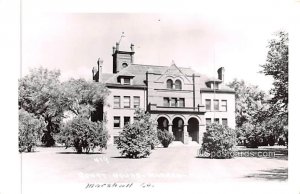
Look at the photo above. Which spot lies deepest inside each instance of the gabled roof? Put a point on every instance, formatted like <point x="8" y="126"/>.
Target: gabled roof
<point x="139" y="71"/>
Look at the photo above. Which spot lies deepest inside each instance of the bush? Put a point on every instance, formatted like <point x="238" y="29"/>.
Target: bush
<point x="218" y="141"/>
<point x="137" y="139"/>
<point x="30" y="130"/>
<point x="83" y="135"/>
<point x="165" y="137"/>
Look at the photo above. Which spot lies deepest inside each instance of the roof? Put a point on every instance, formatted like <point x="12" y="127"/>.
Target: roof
<point x="139" y="72"/>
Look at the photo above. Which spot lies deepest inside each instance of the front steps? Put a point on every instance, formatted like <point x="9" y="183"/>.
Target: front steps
<point x="179" y="143"/>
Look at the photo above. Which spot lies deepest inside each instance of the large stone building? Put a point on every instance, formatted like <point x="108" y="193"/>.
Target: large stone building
<point x="178" y="99"/>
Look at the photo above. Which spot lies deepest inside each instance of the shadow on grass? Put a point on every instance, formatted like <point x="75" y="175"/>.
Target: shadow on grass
<point x="280" y="174"/>
<point x="124" y="157"/>
<point x="75" y="153"/>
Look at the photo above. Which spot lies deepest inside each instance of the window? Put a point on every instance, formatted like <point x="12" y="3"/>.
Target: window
<point x="181" y="102"/>
<point x="173" y="102"/>
<point x="136" y="101"/>
<point x="117" y="122"/>
<point x="224" y="105"/>
<point x="117" y="102"/>
<point x="216" y="104"/>
<point x="126" y="120"/>
<point x="124" y="65"/>
<point x="217" y="120"/>
<point x="208" y="121"/>
<point x="126" y="101"/>
<point x="126" y="81"/>
<point x="224" y="122"/>
<point x="208" y="104"/>
<point x="178" y="85"/>
<point x="116" y="138"/>
<point x="169" y="84"/>
<point x="166" y="102"/>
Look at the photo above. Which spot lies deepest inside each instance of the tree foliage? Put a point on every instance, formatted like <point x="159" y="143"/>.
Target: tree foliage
<point x="40" y="94"/>
<point x="277" y="66"/>
<point x="83" y="96"/>
<point x="250" y="101"/>
<point x="30" y="130"/>
<point x="218" y="141"/>
<point x="136" y="140"/>
<point x="165" y="137"/>
<point x="83" y="135"/>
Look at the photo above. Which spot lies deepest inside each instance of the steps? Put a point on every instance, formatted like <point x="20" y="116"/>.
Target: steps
<point x="179" y="143"/>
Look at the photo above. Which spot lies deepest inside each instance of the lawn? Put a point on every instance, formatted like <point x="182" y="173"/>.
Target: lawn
<point x="173" y="164"/>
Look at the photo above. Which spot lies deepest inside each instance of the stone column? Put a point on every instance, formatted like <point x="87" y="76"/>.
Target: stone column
<point x="155" y="126"/>
<point x="170" y="129"/>
<point x="185" y="135"/>
<point x="202" y="129"/>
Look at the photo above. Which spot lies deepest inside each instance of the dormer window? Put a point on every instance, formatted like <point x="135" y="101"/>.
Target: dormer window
<point x="169" y="84"/>
<point x="178" y="85"/>
<point x="126" y="81"/>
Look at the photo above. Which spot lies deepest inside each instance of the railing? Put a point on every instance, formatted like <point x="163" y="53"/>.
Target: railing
<point x="154" y="107"/>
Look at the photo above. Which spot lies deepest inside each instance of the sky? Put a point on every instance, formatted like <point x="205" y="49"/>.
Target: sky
<point x="235" y="37"/>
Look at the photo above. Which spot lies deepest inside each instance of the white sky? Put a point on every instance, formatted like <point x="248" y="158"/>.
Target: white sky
<point x="234" y="36"/>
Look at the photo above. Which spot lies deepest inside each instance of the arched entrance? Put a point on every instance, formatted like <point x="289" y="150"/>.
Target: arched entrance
<point x="177" y="129"/>
<point x="193" y="129"/>
<point x="162" y="123"/>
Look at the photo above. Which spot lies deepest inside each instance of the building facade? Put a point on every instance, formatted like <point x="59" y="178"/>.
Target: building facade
<point x="178" y="99"/>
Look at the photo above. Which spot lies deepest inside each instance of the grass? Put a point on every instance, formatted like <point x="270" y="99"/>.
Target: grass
<point x="173" y="164"/>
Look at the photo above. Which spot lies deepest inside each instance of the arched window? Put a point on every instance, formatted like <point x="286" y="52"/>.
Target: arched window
<point x="178" y="85"/>
<point x="169" y="84"/>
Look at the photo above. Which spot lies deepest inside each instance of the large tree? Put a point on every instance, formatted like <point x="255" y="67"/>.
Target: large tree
<point x="277" y="66"/>
<point x="250" y="107"/>
<point x="249" y="101"/>
<point x="84" y="97"/>
<point x="40" y="93"/>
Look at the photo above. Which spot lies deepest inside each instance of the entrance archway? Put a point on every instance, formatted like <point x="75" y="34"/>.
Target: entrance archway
<point x="162" y="123"/>
<point x="193" y="129"/>
<point x="177" y="128"/>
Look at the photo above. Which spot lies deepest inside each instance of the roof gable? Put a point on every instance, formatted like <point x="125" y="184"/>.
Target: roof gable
<point x="173" y="71"/>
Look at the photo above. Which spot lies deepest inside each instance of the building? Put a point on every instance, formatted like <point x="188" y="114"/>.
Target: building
<point x="179" y="99"/>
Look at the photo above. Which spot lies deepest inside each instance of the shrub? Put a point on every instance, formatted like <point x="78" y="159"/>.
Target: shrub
<point x="30" y="130"/>
<point x="83" y="135"/>
<point x="218" y="141"/>
<point x="137" y="139"/>
<point x="165" y="137"/>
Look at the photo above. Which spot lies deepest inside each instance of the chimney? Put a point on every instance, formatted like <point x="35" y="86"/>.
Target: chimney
<point x="221" y="72"/>
<point x="117" y="46"/>
<point x="100" y="62"/>
<point x="132" y="47"/>
<point x="114" y="49"/>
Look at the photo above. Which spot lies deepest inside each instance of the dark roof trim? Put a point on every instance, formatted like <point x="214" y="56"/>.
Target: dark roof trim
<point x="126" y="86"/>
<point x="207" y="90"/>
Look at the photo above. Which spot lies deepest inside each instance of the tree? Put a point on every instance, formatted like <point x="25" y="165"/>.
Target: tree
<point x="30" y="130"/>
<point x="218" y="141"/>
<point x="83" y="135"/>
<point x="40" y="94"/>
<point x="249" y="102"/>
<point x="136" y="140"/>
<point x="84" y="96"/>
<point x="254" y="126"/>
<point x="277" y="66"/>
<point x="165" y="137"/>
